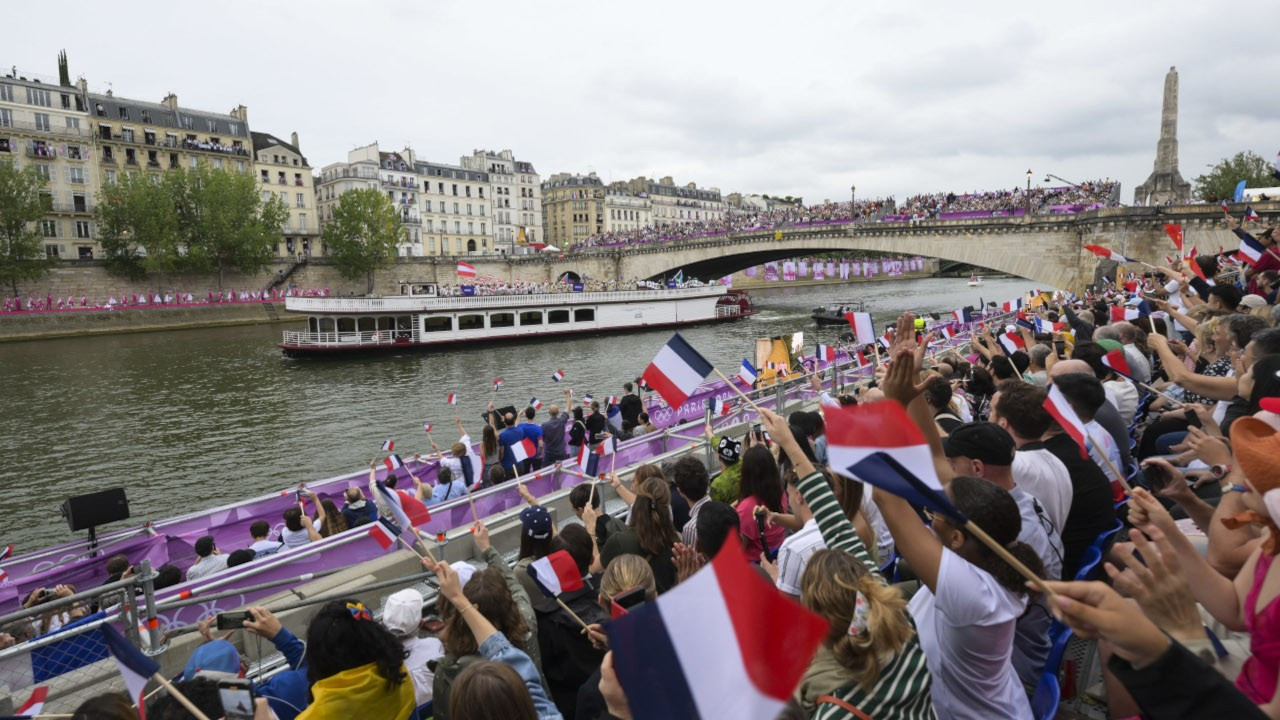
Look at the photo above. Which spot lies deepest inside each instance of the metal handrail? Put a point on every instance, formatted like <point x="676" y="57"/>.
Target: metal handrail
<point x="422" y="304"/>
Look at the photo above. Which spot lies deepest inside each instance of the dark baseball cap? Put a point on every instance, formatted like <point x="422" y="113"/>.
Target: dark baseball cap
<point x="981" y="441"/>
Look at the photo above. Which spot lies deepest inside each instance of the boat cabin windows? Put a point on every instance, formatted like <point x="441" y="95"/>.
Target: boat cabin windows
<point x="326" y="324"/>
<point x="501" y="320"/>
<point x="470" y="322"/>
<point x="584" y="315"/>
<point x="437" y="323"/>
<point x="556" y="317"/>
<point x="531" y="317"/>
<point x="346" y="324"/>
<point x="404" y="322"/>
<point x="367" y="324"/>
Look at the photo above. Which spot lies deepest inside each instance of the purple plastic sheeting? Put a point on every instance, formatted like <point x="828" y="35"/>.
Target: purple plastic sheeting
<point x="229" y="524"/>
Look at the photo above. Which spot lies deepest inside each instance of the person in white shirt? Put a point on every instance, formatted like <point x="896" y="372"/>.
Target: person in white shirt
<point x="209" y="561"/>
<point x="967" y="610"/>
<point x="1085" y="394"/>
<point x="794" y="554"/>
<point x="260" y="531"/>
<point x="1035" y="470"/>
<point x="402" y="615"/>
<point x="1130" y="334"/>
<point x="984" y="450"/>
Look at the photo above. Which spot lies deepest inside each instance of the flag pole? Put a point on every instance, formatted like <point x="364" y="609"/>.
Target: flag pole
<point x="735" y="388"/>
<point x="1008" y="557"/>
<point x="182" y="699"/>
<point x="573" y="614"/>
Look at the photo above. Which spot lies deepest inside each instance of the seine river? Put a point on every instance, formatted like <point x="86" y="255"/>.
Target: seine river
<point x="193" y="418"/>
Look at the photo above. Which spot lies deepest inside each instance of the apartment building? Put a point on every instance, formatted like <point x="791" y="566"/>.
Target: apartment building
<point x="516" y="197"/>
<point x="572" y="208"/>
<point x="673" y="204"/>
<point x="457" y="210"/>
<point x="282" y="170"/>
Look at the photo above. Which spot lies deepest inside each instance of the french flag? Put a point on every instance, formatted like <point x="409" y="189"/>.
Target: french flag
<point x="1251" y="215"/>
<point x="1225" y="207"/>
<point x="426" y="427"/>
<point x="1107" y="254"/>
<point x="1175" y="234"/>
<point x="393" y="462"/>
<point x="134" y="667"/>
<point x="556" y="573"/>
<point x="388" y="446"/>
<point x="719" y="408"/>
<point x="677" y="371"/>
<point x="877" y="443"/>
<point x="1057" y="406"/>
<point x="557" y="376"/>
<point x="466" y="269"/>
<point x="1120" y="313"/>
<point x="887" y="341"/>
<point x="747" y="373"/>
<point x="1251" y="251"/>
<point x="947" y="332"/>
<point x="863" y="329"/>
<point x="862" y="359"/>
<point x="722" y="644"/>
<point x="826" y="352"/>
<point x="1116" y="360"/>
<point x="611" y="400"/>
<point x="535" y="403"/>
<point x="1012" y="342"/>
<point x="497" y="384"/>
<point x="34" y="704"/>
<point x="406" y="509"/>
<point x="524" y="450"/>
<point x="1043" y="325"/>
<point x="384" y="533"/>
<point x="4" y="554"/>
<point x="961" y="316"/>
<point x="452" y="399"/>
<point x="588" y="399"/>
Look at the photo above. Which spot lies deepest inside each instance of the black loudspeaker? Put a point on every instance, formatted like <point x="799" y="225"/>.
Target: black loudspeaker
<point x="86" y="511"/>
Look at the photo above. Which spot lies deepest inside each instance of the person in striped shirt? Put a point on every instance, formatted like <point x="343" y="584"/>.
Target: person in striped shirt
<point x="871" y="663"/>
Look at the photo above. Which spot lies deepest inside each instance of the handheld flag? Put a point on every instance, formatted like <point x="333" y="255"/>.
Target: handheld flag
<point x="556" y="573"/>
<point x="1175" y="234"/>
<point x="719" y="408"/>
<point x="384" y="533"/>
<point x="1057" y="405"/>
<point x="406" y="510"/>
<point x="388" y="446"/>
<point x="557" y="376"/>
<point x="535" y="403"/>
<point x="588" y="399"/>
<point x="660" y="648"/>
<point x="858" y="432"/>
<point x="862" y="359"/>
<point x="611" y="400"/>
<point x="747" y="373"/>
<point x="1224" y="206"/>
<point x="1107" y="254"/>
<point x="393" y="462"/>
<point x="1012" y="342"/>
<point x="947" y="332"/>
<point x="426" y="428"/>
<point x="863" y="328"/>
<point x="1251" y="251"/>
<point x="826" y="352"/>
<point x="452" y="399"/>
<point x="134" y="667"/>
<point x="1120" y="313"/>
<point x="523" y="450"/>
<point x="677" y="371"/>
<point x="34" y="704"/>
<point x="1190" y="261"/>
<point x="4" y="554"/>
<point x="497" y="384"/>
<point x="1251" y="215"/>
<point x="466" y="269"/>
<point x="1116" y="360"/>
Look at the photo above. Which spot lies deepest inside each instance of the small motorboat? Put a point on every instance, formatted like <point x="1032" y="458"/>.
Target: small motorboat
<point x="834" y="315"/>
<point x="975" y="281"/>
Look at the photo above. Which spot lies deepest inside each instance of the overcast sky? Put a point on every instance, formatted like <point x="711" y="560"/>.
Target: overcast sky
<point x="801" y="98"/>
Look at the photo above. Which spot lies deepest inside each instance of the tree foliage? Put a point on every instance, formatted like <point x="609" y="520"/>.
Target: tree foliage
<point x="363" y="233"/>
<point x="22" y="254"/>
<point x="202" y="220"/>
<point x="1220" y="182"/>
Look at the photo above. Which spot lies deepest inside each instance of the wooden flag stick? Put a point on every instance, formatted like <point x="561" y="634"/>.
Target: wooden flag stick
<point x="182" y="699"/>
<point x="1123" y="483"/>
<point x="414" y="549"/>
<point x="591" y="499"/>
<point x="1008" y="557"/>
<point x="735" y="388"/>
<point x="1152" y="320"/>
<point x="572" y="613"/>
<point x="613" y="460"/>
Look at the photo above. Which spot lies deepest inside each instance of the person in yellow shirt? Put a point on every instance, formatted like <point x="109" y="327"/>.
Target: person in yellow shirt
<point x="356" y="667"/>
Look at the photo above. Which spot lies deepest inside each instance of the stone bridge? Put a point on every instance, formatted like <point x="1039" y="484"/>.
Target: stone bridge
<point x="1046" y="249"/>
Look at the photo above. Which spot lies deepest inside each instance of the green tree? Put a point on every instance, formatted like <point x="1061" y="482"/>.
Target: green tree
<point x="363" y="233"/>
<point x="225" y="223"/>
<point x="1220" y="182"/>
<point x="22" y="254"/>
<point x="139" y="228"/>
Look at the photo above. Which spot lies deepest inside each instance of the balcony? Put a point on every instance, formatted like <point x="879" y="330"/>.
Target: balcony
<point x="153" y="163"/>
<point x="219" y="149"/>
<point x="42" y="152"/>
<point x="130" y="160"/>
<point x="411" y="219"/>
<point x="108" y="159"/>
<point x="74" y="208"/>
<point x="32" y="127"/>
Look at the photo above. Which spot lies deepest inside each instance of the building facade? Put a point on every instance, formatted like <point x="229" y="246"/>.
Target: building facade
<point x="673" y="204"/>
<point x="516" y="199"/>
<point x="457" y="205"/>
<point x="46" y="125"/>
<point x="282" y="170"/>
<point x="624" y="210"/>
<point x="572" y="208"/>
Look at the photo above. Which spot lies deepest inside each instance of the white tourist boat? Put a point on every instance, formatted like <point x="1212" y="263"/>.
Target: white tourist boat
<point x="975" y="281"/>
<point x="419" y="317"/>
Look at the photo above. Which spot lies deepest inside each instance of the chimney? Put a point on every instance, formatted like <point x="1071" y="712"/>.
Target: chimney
<point x="241" y="113"/>
<point x="170" y="101"/>
<point x="293" y="138"/>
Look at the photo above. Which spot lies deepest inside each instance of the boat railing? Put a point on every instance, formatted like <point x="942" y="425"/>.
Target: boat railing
<point x="361" y="338"/>
<point x="424" y="304"/>
<point x="728" y="311"/>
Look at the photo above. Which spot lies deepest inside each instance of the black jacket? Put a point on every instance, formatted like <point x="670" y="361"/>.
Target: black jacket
<point x="568" y="658"/>
<point x="631" y="407"/>
<point x="1179" y="685"/>
<point x="1092" y="509"/>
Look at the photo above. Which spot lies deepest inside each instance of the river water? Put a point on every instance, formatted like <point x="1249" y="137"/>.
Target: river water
<point x="193" y="418"/>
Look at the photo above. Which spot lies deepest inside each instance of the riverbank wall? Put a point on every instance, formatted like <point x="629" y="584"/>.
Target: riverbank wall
<point x="16" y="327"/>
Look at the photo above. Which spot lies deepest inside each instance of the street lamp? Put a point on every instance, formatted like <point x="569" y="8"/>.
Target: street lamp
<point x="1028" y="193"/>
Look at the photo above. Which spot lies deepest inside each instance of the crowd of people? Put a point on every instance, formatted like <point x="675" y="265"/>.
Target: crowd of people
<point x="170" y="298"/>
<point x="1124" y="457"/>
<point x="933" y="205"/>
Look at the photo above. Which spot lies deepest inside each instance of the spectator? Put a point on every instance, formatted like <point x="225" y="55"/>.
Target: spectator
<point x="355" y="665"/>
<point x="1037" y="356"/>
<point x="1085" y="395"/>
<point x="509" y="436"/>
<point x="568" y="656"/>
<point x="938" y="395"/>
<point x="596" y="424"/>
<point x="457" y="461"/>
<point x="209" y="559"/>
<point x="356" y="510"/>
<point x="402" y="616"/>
<point x="298" y="528"/>
<point x="646" y="427"/>
<point x="51" y="620"/>
<point x="490" y="448"/>
<point x="240" y="557"/>
<point x="649" y="532"/>
<point x="107" y="706"/>
<point x="606" y="524"/>
<point x="693" y="484"/>
<point x="577" y="431"/>
<point x="553" y="437"/>
<point x="536" y="534"/>
<point x="630" y="405"/>
<point x="1018" y="408"/>
<point x="168" y="575"/>
<point x="262" y="546"/>
<point x="447" y="487"/>
<point x="725" y="485"/>
<point x="797" y="548"/>
<point x="1117" y="389"/>
<point x="331" y="521"/>
<point x="761" y="487"/>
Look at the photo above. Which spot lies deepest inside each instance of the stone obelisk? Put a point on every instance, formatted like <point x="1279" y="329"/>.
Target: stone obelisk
<point x="1165" y="183"/>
